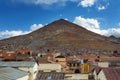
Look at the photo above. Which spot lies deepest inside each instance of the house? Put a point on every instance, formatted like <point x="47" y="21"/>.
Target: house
<point x="74" y="66"/>
<point x="50" y="67"/>
<point x="85" y="68"/>
<point x="76" y="77"/>
<point x="8" y="56"/>
<point x="103" y="64"/>
<point x="60" y="60"/>
<point x="95" y="72"/>
<point x="19" y="55"/>
<point x="50" y="76"/>
<point x="8" y="73"/>
<point x="107" y="74"/>
<point x="30" y="67"/>
<point x="23" y="54"/>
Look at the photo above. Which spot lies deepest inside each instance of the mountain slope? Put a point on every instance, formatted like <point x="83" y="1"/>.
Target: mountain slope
<point x="60" y="34"/>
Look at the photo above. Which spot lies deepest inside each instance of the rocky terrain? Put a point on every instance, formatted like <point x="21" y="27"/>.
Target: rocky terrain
<point x="61" y="34"/>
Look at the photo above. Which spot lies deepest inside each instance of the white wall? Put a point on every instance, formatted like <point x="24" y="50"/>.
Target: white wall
<point x="95" y="75"/>
<point x="49" y="67"/>
<point x="32" y="70"/>
<point x="103" y="64"/>
<point x="24" y="78"/>
<point x="76" y="77"/>
<point x="101" y="76"/>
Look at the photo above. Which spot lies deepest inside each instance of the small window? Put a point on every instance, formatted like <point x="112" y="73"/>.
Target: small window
<point x="77" y="71"/>
<point x="78" y="64"/>
<point x="53" y="70"/>
<point x="28" y="53"/>
<point x="73" y="64"/>
<point x="57" y="61"/>
<point x="70" y="64"/>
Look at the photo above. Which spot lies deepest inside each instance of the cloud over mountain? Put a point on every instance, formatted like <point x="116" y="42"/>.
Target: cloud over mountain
<point x="94" y="25"/>
<point x="7" y="33"/>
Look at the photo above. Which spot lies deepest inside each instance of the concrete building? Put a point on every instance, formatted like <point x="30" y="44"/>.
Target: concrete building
<point x="76" y="77"/>
<point x="7" y="73"/>
<point x="30" y="67"/>
<point x="109" y="74"/>
<point x="85" y="68"/>
<point x="50" y="67"/>
<point x="103" y="64"/>
<point x="106" y="73"/>
<point x="61" y="60"/>
<point x="95" y="72"/>
<point x="50" y="76"/>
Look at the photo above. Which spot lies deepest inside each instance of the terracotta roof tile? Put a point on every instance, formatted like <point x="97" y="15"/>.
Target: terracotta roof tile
<point x="112" y="73"/>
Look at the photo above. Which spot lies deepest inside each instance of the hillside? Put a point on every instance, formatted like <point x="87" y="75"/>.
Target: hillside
<point x="61" y="34"/>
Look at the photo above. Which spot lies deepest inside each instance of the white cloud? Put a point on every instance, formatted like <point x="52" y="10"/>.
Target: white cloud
<point x="99" y="4"/>
<point x="35" y="27"/>
<point x="101" y="8"/>
<point x="102" y="4"/>
<point x="88" y="23"/>
<point x="93" y="25"/>
<point x="87" y="3"/>
<point x="45" y="2"/>
<point x="7" y="33"/>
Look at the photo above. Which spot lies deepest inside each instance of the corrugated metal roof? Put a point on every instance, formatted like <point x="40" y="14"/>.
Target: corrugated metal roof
<point x="17" y="64"/>
<point x="8" y="73"/>
<point x="112" y="73"/>
<point x="50" y="76"/>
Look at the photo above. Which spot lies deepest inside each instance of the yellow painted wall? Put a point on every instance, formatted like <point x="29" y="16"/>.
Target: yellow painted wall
<point x="85" y="68"/>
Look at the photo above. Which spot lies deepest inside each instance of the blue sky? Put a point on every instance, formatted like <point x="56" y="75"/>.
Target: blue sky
<point x="18" y="17"/>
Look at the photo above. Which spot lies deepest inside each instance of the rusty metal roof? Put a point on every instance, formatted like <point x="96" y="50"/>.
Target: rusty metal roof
<point x="50" y="76"/>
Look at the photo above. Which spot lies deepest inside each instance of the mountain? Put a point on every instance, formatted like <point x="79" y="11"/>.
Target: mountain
<point x="60" y="35"/>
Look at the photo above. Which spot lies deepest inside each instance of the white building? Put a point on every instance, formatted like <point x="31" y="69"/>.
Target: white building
<point x="30" y="67"/>
<point x="76" y="77"/>
<point x="108" y="74"/>
<point x="7" y="73"/>
<point x="49" y="67"/>
<point x="103" y="64"/>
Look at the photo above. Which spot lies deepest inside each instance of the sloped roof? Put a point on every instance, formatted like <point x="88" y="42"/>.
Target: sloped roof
<point x="110" y="59"/>
<point x="17" y="64"/>
<point x="97" y="70"/>
<point x="50" y="75"/>
<point x="8" y="73"/>
<point x="112" y="73"/>
<point x="60" y="56"/>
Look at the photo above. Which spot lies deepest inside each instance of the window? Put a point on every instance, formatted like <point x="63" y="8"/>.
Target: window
<point x="70" y="64"/>
<point x="73" y="64"/>
<point x="78" y="64"/>
<point x="57" y="61"/>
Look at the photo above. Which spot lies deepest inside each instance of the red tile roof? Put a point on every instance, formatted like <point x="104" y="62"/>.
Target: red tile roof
<point x="109" y="59"/>
<point x="112" y="73"/>
<point x="97" y="70"/>
<point x="43" y="61"/>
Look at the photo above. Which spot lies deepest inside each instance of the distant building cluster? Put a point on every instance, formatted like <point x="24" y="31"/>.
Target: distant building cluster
<point x="23" y="64"/>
